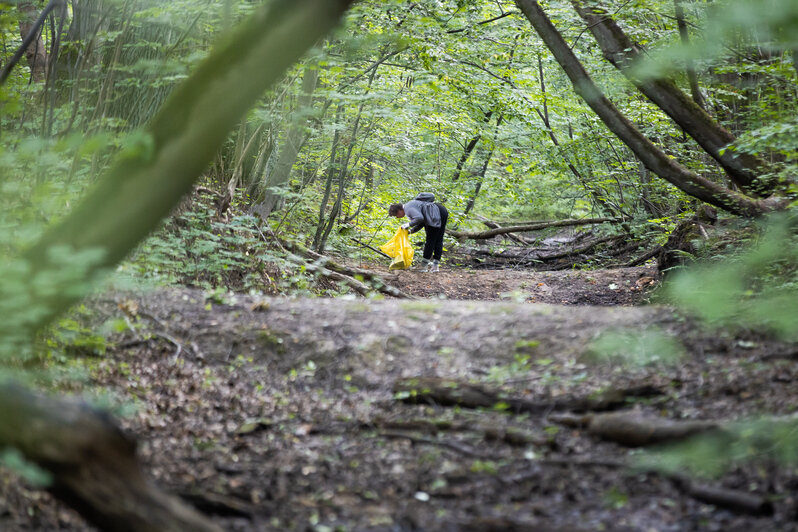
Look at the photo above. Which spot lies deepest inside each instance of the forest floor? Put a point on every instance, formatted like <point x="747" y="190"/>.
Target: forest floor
<point x="285" y="414"/>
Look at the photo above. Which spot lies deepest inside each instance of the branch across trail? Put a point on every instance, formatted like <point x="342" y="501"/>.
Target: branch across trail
<point x="490" y="233"/>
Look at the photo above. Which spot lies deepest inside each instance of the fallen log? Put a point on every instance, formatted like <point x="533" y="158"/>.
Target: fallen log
<point x="448" y="392"/>
<point x="490" y="233"/>
<point x="92" y="464"/>
<point x="495" y="225"/>
<point x="522" y="256"/>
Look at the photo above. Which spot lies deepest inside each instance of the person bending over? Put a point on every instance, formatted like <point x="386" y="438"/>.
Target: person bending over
<point x="424" y="212"/>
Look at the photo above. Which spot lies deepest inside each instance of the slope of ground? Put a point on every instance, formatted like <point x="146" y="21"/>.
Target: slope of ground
<point x="280" y="414"/>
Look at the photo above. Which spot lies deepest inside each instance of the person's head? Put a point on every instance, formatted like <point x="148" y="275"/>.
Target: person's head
<point x="397" y="210"/>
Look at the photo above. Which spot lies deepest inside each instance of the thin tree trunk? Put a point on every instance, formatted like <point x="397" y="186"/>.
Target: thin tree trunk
<point x="482" y="171"/>
<point x="458" y="170"/>
<point x="654" y="158"/>
<point x="295" y="138"/>
<point x="32" y="44"/>
<point x="35" y="52"/>
<point x="343" y="167"/>
<point x="330" y="177"/>
<point x="692" y="78"/>
<point x="544" y="116"/>
<point x="743" y="169"/>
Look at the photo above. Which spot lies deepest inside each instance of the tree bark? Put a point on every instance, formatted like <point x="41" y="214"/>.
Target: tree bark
<point x="32" y="44"/>
<point x="35" y="52"/>
<point x="92" y="463"/>
<point x="458" y="170"/>
<point x="742" y="168"/>
<point x="653" y="157"/>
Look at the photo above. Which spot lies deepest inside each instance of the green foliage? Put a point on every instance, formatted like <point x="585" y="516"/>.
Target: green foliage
<point x="762" y="441"/>
<point x="14" y="460"/>
<point x="636" y="348"/>
<point x="754" y="289"/>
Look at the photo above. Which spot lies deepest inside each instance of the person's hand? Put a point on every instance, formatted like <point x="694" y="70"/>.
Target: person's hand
<point x="406" y="226"/>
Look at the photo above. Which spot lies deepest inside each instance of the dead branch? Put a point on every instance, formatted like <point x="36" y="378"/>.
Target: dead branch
<point x="643" y="258"/>
<point x="92" y="462"/>
<point x="327" y="267"/>
<point x="634" y="428"/>
<point x="372" y="248"/>
<point x="494" y="225"/>
<point x="490" y="233"/>
<point x="737" y="501"/>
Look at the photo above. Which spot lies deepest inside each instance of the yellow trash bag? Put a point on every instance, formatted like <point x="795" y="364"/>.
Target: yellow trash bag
<point x="399" y="249"/>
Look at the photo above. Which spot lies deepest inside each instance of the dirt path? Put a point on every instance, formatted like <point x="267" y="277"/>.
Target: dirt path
<point x="621" y="286"/>
<point x="279" y="414"/>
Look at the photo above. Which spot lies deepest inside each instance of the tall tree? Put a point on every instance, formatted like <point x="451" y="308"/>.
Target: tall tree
<point x="743" y="169"/>
<point x="654" y="158"/>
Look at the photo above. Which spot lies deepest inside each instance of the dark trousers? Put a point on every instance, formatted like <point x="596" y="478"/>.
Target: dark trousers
<point x="433" y="247"/>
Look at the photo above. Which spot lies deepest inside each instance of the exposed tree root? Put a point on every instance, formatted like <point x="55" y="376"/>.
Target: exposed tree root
<point x="734" y="500"/>
<point x="92" y="463"/>
<point x="448" y="392"/>
<point x="635" y="429"/>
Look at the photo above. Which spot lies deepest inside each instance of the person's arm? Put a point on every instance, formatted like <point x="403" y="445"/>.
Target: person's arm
<point x="415" y="219"/>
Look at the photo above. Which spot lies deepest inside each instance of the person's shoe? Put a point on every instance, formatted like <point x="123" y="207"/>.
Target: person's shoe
<point x="434" y="266"/>
<point x="424" y="265"/>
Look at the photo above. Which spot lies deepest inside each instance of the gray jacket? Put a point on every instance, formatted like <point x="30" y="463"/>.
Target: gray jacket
<point x="422" y="211"/>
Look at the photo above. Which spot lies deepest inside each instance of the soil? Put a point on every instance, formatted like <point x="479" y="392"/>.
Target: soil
<point x="280" y="414"/>
<point x="608" y="287"/>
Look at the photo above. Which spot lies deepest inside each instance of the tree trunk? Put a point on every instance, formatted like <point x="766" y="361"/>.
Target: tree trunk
<point x="482" y="171"/>
<point x="321" y="240"/>
<point x="295" y="138"/>
<point x="92" y="463"/>
<point x="743" y="169"/>
<point x="468" y="149"/>
<point x="35" y="52"/>
<point x="330" y="177"/>
<point x="654" y="158"/>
